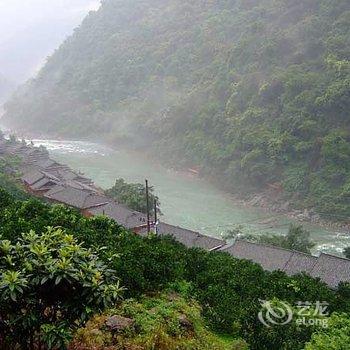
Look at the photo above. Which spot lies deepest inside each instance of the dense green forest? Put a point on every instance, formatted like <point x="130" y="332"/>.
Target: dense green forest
<point x="254" y="92"/>
<point x="63" y="275"/>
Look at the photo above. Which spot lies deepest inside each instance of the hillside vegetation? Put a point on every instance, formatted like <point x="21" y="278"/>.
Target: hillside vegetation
<point x="253" y="91"/>
<point x="59" y="269"/>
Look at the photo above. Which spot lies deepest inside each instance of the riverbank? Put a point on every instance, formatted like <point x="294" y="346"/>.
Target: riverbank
<point x="283" y="206"/>
<point x="271" y="200"/>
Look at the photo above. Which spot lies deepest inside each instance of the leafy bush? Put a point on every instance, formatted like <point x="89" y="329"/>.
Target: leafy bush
<point x="335" y="337"/>
<point x="49" y="285"/>
<point x="228" y="289"/>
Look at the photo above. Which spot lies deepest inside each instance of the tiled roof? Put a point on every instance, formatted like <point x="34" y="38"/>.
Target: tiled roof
<point x="77" y="198"/>
<point x="46" y="163"/>
<point x="94" y="200"/>
<point x="190" y="238"/>
<point x="269" y="257"/>
<point x="32" y="177"/>
<point x="44" y="184"/>
<point x="300" y="262"/>
<point x="122" y="215"/>
<point x="332" y="269"/>
<point x="68" y="195"/>
<point x="81" y="186"/>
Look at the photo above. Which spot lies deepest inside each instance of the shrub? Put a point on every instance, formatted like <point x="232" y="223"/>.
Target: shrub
<point x="335" y="337"/>
<point x="49" y="285"/>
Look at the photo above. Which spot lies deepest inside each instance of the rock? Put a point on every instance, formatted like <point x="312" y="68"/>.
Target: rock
<point x="285" y="206"/>
<point x="307" y="214"/>
<point x="185" y="323"/>
<point x="118" y="323"/>
<point x="256" y="201"/>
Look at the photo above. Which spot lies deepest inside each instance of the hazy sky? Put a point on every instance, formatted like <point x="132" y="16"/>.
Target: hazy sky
<point x="31" y="29"/>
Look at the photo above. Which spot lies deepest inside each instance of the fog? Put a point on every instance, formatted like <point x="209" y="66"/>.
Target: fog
<point x="31" y="29"/>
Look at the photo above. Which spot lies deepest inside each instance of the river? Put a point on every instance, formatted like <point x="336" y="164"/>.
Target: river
<point x="186" y="200"/>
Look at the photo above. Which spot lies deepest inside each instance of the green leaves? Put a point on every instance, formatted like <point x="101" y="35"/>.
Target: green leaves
<point x="335" y="337"/>
<point x="12" y="285"/>
<point x="132" y="195"/>
<point x="48" y="282"/>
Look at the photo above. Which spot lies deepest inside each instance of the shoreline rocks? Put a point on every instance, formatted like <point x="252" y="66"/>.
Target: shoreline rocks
<point x="280" y="206"/>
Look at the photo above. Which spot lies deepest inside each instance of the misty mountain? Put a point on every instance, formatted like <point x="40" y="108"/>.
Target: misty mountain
<point x="39" y="27"/>
<point x="255" y="92"/>
<point x="6" y="88"/>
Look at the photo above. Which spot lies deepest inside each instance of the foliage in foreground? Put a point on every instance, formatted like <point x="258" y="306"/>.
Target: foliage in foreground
<point x="335" y="337"/>
<point x="227" y="289"/>
<point x="166" y="322"/>
<point x="50" y="285"/>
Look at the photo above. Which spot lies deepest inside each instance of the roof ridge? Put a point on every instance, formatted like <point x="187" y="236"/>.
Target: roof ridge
<point x="334" y="256"/>
<point x="287" y="262"/>
<point x="275" y="247"/>
<point x="199" y="234"/>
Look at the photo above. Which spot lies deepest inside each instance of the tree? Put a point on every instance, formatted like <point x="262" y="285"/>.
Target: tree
<point x="335" y="337"/>
<point x="347" y="252"/>
<point x="297" y="239"/>
<point x="49" y="285"/>
<point x="133" y="196"/>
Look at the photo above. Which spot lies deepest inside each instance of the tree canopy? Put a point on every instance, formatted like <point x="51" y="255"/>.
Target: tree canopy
<point x="253" y="92"/>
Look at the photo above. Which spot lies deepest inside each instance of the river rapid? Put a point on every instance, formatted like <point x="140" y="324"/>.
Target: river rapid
<point x="186" y="200"/>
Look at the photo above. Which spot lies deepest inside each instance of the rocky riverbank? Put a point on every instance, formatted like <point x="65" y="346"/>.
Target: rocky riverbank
<point x="277" y="204"/>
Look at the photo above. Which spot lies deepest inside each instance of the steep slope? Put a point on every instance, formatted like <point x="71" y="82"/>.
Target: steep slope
<point x="253" y="91"/>
<point x="6" y="88"/>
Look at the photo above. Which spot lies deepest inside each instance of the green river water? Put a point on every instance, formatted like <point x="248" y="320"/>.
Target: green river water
<point x="186" y="200"/>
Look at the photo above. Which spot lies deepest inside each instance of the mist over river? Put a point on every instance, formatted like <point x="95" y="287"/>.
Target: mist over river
<point x="186" y="200"/>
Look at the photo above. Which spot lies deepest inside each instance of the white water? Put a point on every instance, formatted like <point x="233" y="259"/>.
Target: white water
<point x="185" y="200"/>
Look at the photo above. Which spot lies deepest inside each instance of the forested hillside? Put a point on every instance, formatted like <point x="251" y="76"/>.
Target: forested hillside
<point x="253" y="91"/>
<point x="6" y="87"/>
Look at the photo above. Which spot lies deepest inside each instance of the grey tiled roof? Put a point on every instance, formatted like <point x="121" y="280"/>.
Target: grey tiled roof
<point x="300" y="262"/>
<point x="269" y="257"/>
<point x="190" y="238"/>
<point x="46" y="163"/>
<point x="77" y="198"/>
<point x="32" y="177"/>
<point x="81" y="186"/>
<point x="70" y="196"/>
<point x="44" y="184"/>
<point x="332" y="269"/>
<point x="95" y="200"/>
<point x="122" y="215"/>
